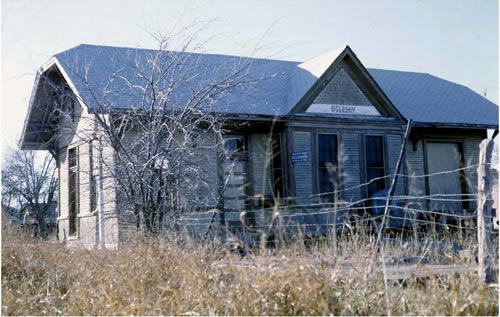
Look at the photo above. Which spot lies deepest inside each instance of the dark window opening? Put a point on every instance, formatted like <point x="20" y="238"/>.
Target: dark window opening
<point x="276" y="167"/>
<point x="374" y="154"/>
<point x="327" y="163"/>
<point x="72" y="109"/>
<point x="234" y="144"/>
<point x="93" y="178"/>
<point x="73" y="190"/>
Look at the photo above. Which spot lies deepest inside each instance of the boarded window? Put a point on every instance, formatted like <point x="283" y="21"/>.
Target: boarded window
<point x="374" y="154"/>
<point x="444" y="157"/>
<point x="327" y="162"/>
<point x="73" y="189"/>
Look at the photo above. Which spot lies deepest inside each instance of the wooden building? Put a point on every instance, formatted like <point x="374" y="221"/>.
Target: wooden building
<point x="328" y="112"/>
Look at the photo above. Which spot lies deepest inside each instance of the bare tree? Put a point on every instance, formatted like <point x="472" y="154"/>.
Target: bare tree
<point x="167" y="136"/>
<point x="29" y="183"/>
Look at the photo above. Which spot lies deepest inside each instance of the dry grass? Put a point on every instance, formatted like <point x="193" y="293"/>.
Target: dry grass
<point x="151" y="277"/>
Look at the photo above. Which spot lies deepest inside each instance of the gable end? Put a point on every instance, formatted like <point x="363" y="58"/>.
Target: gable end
<point x="359" y="91"/>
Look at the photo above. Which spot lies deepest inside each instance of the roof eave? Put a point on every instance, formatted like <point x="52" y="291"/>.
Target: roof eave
<point x="347" y="52"/>
<point x="377" y="87"/>
<point x="456" y="125"/>
<point x="23" y="144"/>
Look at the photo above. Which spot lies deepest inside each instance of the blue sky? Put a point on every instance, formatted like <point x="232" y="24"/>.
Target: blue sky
<point x="454" y="40"/>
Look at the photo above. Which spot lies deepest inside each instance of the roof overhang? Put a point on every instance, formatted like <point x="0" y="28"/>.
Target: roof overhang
<point x="454" y="125"/>
<point x="37" y="131"/>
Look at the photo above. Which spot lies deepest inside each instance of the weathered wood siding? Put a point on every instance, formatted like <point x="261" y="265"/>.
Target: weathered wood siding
<point x="342" y="90"/>
<point x="471" y="157"/>
<point x="350" y="155"/>
<point x="394" y="143"/>
<point x="415" y="166"/>
<point x="206" y="192"/>
<point x="77" y="135"/>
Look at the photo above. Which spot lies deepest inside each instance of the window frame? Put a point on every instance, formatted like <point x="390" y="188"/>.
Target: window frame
<point x="242" y="155"/>
<point x="92" y="178"/>
<point x="330" y="197"/>
<point x="74" y="169"/>
<point x="365" y="161"/>
<point x="239" y="151"/>
<point x="277" y="170"/>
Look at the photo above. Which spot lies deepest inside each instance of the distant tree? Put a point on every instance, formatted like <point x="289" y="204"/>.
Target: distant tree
<point x="29" y="182"/>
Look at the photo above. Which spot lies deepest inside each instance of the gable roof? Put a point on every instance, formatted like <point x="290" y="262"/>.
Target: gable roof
<point x="307" y="73"/>
<point x="115" y="76"/>
<point x="430" y="99"/>
<point x="278" y="85"/>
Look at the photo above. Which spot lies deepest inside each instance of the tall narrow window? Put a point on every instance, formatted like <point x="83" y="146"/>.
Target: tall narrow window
<point x="72" y="109"/>
<point x="73" y="189"/>
<point x="327" y="161"/>
<point x="93" y="178"/>
<point x="276" y="166"/>
<point x="374" y="153"/>
<point x="233" y="173"/>
<point x="58" y="187"/>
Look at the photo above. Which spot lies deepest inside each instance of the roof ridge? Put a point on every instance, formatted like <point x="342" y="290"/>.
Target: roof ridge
<point x="175" y="51"/>
<point x="399" y="71"/>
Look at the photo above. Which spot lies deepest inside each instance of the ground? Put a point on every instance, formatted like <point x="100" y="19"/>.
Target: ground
<point x="157" y="276"/>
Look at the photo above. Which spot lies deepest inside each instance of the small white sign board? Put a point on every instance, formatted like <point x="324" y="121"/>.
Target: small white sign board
<point x="343" y="109"/>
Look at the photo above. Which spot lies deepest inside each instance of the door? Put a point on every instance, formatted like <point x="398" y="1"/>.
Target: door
<point x="444" y="157"/>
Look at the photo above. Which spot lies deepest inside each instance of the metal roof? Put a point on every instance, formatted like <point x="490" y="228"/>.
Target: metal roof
<point x="426" y="98"/>
<point x="115" y="76"/>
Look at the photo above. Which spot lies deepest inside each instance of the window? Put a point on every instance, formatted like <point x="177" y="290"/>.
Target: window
<point x="72" y="110"/>
<point x="59" y="188"/>
<point x="233" y="173"/>
<point x="234" y="144"/>
<point x="374" y="154"/>
<point x="277" y="170"/>
<point x="73" y="189"/>
<point x="93" y="178"/>
<point x="327" y="161"/>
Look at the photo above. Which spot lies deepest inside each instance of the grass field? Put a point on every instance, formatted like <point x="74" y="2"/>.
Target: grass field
<point x="159" y="277"/>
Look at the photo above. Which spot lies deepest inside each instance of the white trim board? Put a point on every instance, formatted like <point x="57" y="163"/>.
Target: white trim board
<point x="362" y="110"/>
